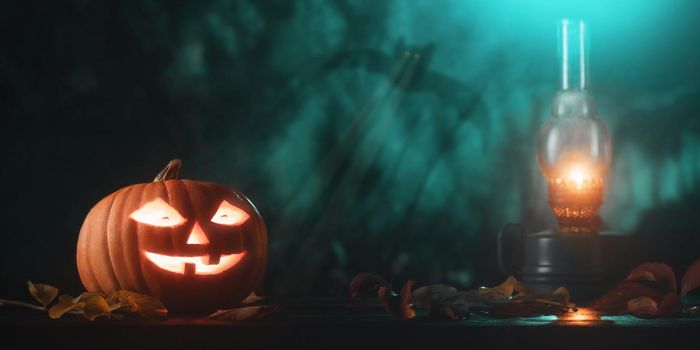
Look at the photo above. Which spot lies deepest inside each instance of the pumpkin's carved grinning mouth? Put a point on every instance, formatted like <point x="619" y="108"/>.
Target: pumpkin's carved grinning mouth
<point x="199" y="265"/>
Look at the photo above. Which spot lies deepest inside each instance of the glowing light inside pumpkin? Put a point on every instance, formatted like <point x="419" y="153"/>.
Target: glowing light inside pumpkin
<point x="158" y="213"/>
<point x="177" y="264"/>
<point x="197" y="236"/>
<point x="230" y="215"/>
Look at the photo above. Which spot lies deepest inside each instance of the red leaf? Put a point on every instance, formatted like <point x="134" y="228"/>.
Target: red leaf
<point x="655" y="272"/>
<point x="364" y="283"/>
<point x="615" y="301"/>
<point x="642" y="306"/>
<point x="398" y="305"/>
<point x="691" y="279"/>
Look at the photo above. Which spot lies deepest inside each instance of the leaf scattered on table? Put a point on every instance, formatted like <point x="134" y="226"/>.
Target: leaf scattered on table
<point x="691" y="278"/>
<point x="43" y="293"/>
<point x="649" y="290"/>
<point x="506" y="290"/>
<point x="398" y="305"/>
<point x="364" y="283"/>
<point x="423" y="297"/>
<point x="447" y="302"/>
<point x="147" y="306"/>
<point x="244" y="313"/>
<point x="95" y="306"/>
<point x="65" y="304"/>
<point x="642" y="306"/>
<point x="615" y="300"/>
<point x="658" y="273"/>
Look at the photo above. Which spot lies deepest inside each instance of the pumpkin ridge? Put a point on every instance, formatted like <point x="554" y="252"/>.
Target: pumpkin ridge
<point x="109" y="233"/>
<point x="101" y="233"/>
<point x="132" y="263"/>
<point x="84" y="249"/>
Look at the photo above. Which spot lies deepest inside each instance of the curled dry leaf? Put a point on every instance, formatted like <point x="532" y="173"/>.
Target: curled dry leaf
<point x="659" y="273"/>
<point x="65" y="304"/>
<point x="398" y="305"/>
<point x="615" y="300"/>
<point x="244" y="313"/>
<point x="145" y="305"/>
<point x="691" y="279"/>
<point x="506" y="290"/>
<point x="642" y="306"/>
<point x="425" y="296"/>
<point x="87" y="295"/>
<point x="95" y="306"/>
<point x="364" y="283"/>
<point x="43" y="293"/>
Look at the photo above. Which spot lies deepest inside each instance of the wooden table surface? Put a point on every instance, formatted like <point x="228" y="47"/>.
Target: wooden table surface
<point x="335" y="324"/>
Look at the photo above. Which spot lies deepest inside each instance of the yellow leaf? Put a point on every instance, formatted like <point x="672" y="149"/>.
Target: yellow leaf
<point x="122" y="300"/>
<point x="506" y="290"/>
<point x="95" y="305"/>
<point x="148" y="306"/>
<point x="65" y="303"/>
<point x="87" y="295"/>
<point x="43" y="293"/>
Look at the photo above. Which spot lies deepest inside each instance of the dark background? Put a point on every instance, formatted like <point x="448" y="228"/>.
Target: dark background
<point x="387" y="136"/>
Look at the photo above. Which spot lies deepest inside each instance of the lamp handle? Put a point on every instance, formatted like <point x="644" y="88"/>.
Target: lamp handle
<point x="510" y="251"/>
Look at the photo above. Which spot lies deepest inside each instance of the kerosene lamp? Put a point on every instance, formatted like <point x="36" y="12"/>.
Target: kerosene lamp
<point x="574" y="153"/>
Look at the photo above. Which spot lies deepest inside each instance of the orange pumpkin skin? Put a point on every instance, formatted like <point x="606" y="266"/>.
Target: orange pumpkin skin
<point x="112" y="246"/>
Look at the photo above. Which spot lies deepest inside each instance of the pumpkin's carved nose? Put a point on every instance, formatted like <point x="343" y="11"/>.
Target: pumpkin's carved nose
<point x="197" y="235"/>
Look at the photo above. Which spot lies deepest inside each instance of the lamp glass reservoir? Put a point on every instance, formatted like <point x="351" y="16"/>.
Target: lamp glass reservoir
<point x="573" y="147"/>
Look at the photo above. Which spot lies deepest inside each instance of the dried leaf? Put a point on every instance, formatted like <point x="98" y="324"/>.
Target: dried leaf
<point x="244" y="313"/>
<point x="149" y="307"/>
<point x="506" y="290"/>
<point x="122" y="300"/>
<point x="424" y="297"/>
<point x="615" y="301"/>
<point x="65" y="304"/>
<point x="398" y="305"/>
<point x="691" y="279"/>
<point x="654" y="272"/>
<point x="252" y="298"/>
<point x="86" y="295"/>
<point x="145" y="305"/>
<point x="364" y="283"/>
<point x="642" y="306"/>
<point x="95" y="306"/>
<point x="462" y="302"/>
<point x="43" y="293"/>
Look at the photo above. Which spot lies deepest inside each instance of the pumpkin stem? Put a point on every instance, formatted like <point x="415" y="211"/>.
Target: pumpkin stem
<point x="171" y="171"/>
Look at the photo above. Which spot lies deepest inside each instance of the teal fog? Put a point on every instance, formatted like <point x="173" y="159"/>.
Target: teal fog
<point x="387" y="136"/>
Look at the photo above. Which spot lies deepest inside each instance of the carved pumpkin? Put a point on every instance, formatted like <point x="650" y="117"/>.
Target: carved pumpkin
<point x="197" y="246"/>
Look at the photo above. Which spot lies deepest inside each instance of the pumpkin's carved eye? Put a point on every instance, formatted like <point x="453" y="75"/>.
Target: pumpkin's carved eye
<point x="158" y="213"/>
<point x="230" y="215"/>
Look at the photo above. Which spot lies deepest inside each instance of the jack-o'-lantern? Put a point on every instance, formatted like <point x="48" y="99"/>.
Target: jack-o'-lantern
<point x="197" y="246"/>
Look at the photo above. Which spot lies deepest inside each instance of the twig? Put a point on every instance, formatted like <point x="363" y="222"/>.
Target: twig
<point x="23" y="304"/>
<point x="32" y="306"/>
